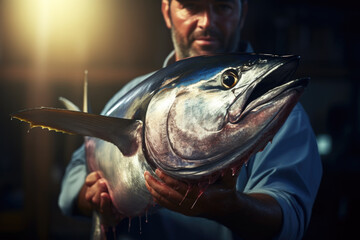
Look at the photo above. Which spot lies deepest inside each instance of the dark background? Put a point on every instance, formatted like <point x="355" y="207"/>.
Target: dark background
<point x="46" y="45"/>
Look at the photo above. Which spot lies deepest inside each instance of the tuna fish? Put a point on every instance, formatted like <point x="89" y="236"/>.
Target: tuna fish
<point x="193" y="120"/>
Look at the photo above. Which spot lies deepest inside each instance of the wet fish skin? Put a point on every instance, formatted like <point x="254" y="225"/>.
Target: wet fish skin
<point x="187" y="119"/>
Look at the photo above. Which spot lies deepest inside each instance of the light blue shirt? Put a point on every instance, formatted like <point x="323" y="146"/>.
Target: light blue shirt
<point x="288" y="169"/>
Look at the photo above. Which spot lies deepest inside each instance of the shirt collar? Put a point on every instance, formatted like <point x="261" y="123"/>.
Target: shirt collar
<point x="170" y="59"/>
<point x="243" y="47"/>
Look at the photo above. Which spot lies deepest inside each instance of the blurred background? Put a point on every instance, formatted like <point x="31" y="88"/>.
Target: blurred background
<point x="45" y="46"/>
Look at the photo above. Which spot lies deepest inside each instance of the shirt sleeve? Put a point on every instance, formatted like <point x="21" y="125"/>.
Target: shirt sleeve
<point x="73" y="181"/>
<point x="289" y="169"/>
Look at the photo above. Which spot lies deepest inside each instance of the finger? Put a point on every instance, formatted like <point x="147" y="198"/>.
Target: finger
<point x="158" y="198"/>
<point x="188" y="192"/>
<point x="95" y="200"/>
<point x="88" y="195"/>
<point x="177" y="185"/>
<point x="92" y="178"/>
<point x="98" y="188"/>
<point x="173" y="204"/>
<point x="161" y="191"/>
<point x="102" y="186"/>
<point x="107" y="212"/>
<point x="105" y="204"/>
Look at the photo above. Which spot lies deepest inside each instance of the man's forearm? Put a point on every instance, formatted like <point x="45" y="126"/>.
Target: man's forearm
<point x="251" y="216"/>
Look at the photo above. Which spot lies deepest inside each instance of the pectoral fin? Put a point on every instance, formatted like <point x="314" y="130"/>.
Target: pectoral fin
<point x="122" y="132"/>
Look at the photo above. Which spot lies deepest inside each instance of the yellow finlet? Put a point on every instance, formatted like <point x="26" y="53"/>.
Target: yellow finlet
<point x="32" y="125"/>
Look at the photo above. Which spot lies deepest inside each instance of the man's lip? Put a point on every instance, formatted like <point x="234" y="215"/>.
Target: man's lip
<point x="209" y="39"/>
<point x="206" y="40"/>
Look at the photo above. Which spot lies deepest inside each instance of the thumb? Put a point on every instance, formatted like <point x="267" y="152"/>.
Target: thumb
<point x="105" y="203"/>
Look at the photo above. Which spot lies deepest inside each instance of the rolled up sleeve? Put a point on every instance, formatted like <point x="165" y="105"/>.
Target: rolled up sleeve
<point x="289" y="169"/>
<point x="72" y="183"/>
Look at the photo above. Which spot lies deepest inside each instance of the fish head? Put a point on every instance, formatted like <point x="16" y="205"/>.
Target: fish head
<point x="218" y="111"/>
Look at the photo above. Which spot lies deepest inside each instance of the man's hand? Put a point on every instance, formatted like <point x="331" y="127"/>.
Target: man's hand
<point x="206" y="201"/>
<point x="254" y="215"/>
<point x="94" y="195"/>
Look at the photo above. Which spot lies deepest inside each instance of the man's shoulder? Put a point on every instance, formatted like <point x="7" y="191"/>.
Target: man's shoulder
<point x="298" y="114"/>
<point x="132" y="83"/>
<point x="126" y="88"/>
<point x="296" y="128"/>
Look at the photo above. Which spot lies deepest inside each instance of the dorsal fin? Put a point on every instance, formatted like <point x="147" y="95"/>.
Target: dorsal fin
<point x="85" y="96"/>
<point x="70" y="105"/>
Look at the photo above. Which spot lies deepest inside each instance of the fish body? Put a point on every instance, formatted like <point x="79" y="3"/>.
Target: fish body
<point x="194" y="120"/>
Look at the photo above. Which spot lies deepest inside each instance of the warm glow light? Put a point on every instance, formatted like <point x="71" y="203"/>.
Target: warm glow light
<point x="57" y="30"/>
<point x="59" y="37"/>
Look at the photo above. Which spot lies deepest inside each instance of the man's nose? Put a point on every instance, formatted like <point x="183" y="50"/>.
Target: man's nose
<point x="206" y="18"/>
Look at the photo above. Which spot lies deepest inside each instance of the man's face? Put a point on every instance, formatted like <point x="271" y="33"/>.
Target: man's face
<point x="203" y="27"/>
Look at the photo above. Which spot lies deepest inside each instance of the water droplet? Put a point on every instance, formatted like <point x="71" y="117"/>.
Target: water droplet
<point x="140" y="223"/>
<point x="103" y="231"/>
<point x="262" y="60"/>
<point x="129" y="224"/>
<point x="146" y="216"/>
<point x="114" y="231"/>
<point x="233" y="171"/>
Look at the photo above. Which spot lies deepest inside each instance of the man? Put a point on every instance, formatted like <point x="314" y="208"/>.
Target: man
<point x="273" y="195"/>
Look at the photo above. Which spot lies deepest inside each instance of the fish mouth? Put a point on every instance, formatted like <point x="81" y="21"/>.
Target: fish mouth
<point x="271" y="87"/>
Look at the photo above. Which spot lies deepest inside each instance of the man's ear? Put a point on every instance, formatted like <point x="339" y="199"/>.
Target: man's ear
<point x="244" y="10"/>
<point x="165" y="8"/>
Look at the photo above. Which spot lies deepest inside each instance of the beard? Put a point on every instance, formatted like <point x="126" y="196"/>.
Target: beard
<point x="184" y="45"/>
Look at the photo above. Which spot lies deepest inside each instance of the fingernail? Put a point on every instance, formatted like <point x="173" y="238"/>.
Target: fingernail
<point x="146" y="175"/>
<point x="158" y="172"/>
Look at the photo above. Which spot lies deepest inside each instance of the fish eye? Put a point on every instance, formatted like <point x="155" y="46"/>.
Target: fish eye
<point x="229" y="78"/>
